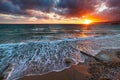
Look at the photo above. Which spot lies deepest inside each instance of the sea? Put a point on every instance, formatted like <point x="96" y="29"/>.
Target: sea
<point x="30" y="49"/>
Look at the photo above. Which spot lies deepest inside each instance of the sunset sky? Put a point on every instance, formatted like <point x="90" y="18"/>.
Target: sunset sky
<point x="58" y="11"/>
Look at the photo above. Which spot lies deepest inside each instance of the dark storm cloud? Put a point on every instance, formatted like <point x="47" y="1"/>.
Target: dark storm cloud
<point x="77" y="7"/>
<point x="8" y="7"/>
<point x="114" y="9"/>
<point x="113" y="3"/>
<point x="68" y="8"/>
<point x="44" y="5"/>
<point x="21" y="6"/>
<point x="74" y="7"/>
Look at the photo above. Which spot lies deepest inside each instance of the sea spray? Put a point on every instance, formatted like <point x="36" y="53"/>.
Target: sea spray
<point x="32" y="58"/>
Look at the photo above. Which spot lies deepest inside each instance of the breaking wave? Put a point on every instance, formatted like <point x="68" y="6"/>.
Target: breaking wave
<point x="38" y="57"/>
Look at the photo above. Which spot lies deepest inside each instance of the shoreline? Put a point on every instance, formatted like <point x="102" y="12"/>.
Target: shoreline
<point x="90" y="70"/>
<point x="50" y="56"/>
<point x="66" y="74"/>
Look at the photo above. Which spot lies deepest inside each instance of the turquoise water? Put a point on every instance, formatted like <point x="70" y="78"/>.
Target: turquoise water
<point x="31" y="32"/>
<point x="39" y="49"/>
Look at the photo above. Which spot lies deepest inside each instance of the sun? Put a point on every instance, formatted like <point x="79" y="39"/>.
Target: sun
<point x="87" y="21"/>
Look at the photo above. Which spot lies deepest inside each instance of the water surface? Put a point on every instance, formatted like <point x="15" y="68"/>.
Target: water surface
<point x="31" y="32"/>
<point x="39" y="49"/>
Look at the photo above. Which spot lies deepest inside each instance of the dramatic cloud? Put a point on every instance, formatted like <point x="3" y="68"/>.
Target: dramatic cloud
<point x="61" y="9"/>
<point x="77" y="7"/>
<point x="8" y="7"/>
<point x="114" y="9"/>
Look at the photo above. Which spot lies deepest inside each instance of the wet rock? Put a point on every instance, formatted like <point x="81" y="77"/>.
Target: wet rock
<point x="68" y="62"/>
<point x="1" y="77"/>
<point x="104" y="57"/>
<point x="118" y="54"/>
<point x="109" y="55"/>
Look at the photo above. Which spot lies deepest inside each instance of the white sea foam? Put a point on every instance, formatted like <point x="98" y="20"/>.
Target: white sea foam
<point x="42" y="57"/>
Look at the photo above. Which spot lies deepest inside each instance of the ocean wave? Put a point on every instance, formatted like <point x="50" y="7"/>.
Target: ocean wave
<point x="39" y="57"/>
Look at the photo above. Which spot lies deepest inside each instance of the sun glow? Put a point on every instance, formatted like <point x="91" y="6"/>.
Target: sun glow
<point x="87" y="21"/>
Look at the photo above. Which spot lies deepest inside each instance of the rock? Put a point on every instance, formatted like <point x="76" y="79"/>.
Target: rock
<point x="111" y="55"/>
<point x="1" y="77"/>
<point x="104" y="57"/>
<point x="68" y="62"/>
<point x="118" y="54"/>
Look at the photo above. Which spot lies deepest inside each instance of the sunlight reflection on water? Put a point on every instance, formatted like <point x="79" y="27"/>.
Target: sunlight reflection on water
<point x="19" y="33"/>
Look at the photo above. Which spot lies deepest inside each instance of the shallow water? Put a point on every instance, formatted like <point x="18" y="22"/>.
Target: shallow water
<point x="25" y="33"/>
<point x="39" y="49"/>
